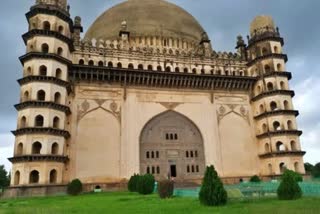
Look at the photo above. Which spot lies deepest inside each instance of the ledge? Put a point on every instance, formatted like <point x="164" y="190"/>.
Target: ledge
<point x="282" y="154"/>
<point x="41" y="32"/>
<point x="134" y="77"/>
<point x="42" y="104"/>
<point x="272" y="93"/>
<point x="42" y="130"/>
<point x="266" y="36"/>
<point x="40" y="55"/>
<point x="39" y="158"/>
<point x="277" y="112"/>
<point x="281" y="132"/>
<point x="271" y="55"/>
<point x="50" y="10"/>
<point x="47" y="79"/>
<point x="279" y="74"/>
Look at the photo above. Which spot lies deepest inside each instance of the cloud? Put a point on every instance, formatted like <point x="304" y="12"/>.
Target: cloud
<point x="6" y="149"/>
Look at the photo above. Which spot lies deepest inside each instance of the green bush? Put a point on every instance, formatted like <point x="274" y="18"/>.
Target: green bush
<point x="255" y="179"/>
<point x="75" y="187"/>
<point x="165" y="188"/>
<point x="133" y="182"/>
<point x="289" y="188"/>
<point x="212" y="192"/>
<point x="145" y="184"/>
<point x="316" y="171"/>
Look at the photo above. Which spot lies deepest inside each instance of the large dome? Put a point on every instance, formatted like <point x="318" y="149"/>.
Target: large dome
<point x="146" y="18"/>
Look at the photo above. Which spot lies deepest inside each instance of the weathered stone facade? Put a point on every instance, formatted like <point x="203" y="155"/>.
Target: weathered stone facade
<point x="142" y="96"/>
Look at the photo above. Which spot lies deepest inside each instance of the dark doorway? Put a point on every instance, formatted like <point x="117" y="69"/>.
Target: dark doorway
<point x="173" y="170"/>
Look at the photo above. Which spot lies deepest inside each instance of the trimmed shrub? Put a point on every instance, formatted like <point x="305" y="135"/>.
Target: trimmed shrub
<point x="212" y="192"/>
<point x="145" y="184"/>
<point x="255" y="179"/>
<point x="165" y="188"/>
<point x="133" y="182"/>
<point x="289" y="188"/>
<point x="75" y="187"/>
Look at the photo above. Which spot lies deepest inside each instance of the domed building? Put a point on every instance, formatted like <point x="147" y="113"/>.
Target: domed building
<point x="143" y="91"/>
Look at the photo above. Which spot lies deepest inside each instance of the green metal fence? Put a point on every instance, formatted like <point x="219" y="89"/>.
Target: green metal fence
<point x="255" y="190"/>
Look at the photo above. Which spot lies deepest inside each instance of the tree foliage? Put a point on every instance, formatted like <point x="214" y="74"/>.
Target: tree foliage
<point x="133" y="183"/>
<point x="316" y="171"/>
<point x="308" y="167"/>
<point x="146" y="184"/>
<point x="212" y="192"/>
<point x="255" y="179"/>
<point x="4" y="178"/>
<point x="74" y="187"/>
<point x="289" y="188"/>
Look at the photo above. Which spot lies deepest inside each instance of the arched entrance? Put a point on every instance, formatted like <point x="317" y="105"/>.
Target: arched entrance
<point x="171" y="145"/>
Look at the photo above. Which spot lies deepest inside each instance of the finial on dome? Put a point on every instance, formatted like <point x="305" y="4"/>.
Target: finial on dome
<point x="124" y="25"/>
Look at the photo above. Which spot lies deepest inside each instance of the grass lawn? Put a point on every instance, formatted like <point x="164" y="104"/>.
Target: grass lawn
<point x="127" y="203"/>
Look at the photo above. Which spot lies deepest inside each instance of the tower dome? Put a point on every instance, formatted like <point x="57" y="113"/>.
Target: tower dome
<point x="262" y="23"/>
<point x="147" y="18"/>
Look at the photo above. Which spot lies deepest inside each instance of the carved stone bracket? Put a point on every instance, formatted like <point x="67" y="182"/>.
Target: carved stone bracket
<point x="226" y="109"/>
<point x="170" y="105"/>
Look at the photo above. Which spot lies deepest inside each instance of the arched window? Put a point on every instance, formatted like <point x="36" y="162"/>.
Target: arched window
<point x="20" y="149"/>
<point x="41" y="95"/>
<point x="58" y="73"/>
<point x="150" y="68"/>
<point x="157" y="154"/>
<point x="26" y="96"/>
<point x="264" y="128"/>
<point x="153" y="170"/>
<point x="34" y="177"/>
<point x="276" y="126"/>
<point x="296" y="166"/>
<point x="188" y="169"/>
<point x="194" y="70"/>
<point x="53" y="176"/>
<point x="286" y="105"/>
<point x="152" y="154"/>
<point x="192" y="168"/>
<point x="130" y="66"/>
<point x="110" y="64"/>
<point x="81" y="62"/>
<point x="203" y="71"/>
<point x="177" y="69"/>
<point x="60" y="29"/>
<point x="140" y="67"/>
<point x="55" y="149"/>
<point x="17" y="178"/>
<point x="159" y="68"/>
<point x="226" y="72"/>
<point x="56" y="122"/>
<point x="267" y="69"/>
<point x="148" y="155"/>
<point x="45" y="48"/>
<point x="191" y="154"/>
<point x="267" y="148"/>
<point x="273" y="106"/>
<point x="282" y="167"/>
<point x="158" y="170"/>
<point x="91" y="63"/>
<point x="197" y="168"/>
<point x="46" y="25"/>
<point x="148" y="170"/>
<point x="185" y="70"/>
<point x="38" y="122"/>
<point x="290" y="125"/>
<point x="119" y="65"/>
<point x="187" y="154"/>
<point x="60" y="51"/>
<point x="43" y="70"/>
<point x="168" y="69"/>
<point x="270" y="169"/>
<point x="293" y="145"/>
<point x="36" y="148"/>
<point x="218" y="72"/>
<point x="280" y="147"/>
<point x="100" y="63"/>
<point x="270" y="86"/>
<point x="275" y="49"/>
<point x="29" y="71"/>
<point x="196" y="154"/>
<point x="279" y="67"/>
<point x="282" y="85"/>
<point x="261" y="107"/>
<point x="57" y="98"/>
<point x="264" y="51"/>
<point x="23" y="122"/>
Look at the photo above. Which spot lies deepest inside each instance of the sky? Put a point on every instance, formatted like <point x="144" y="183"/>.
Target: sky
<point x="223" y="20"/>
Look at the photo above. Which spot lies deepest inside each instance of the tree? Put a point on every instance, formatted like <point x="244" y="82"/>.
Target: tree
<point x="316" y="171"/>
<point x="212" y="192"/>
<point x="289" y="188"/>
<point x="145" y="184"/>
<point x="4" y="178"/>
<point x="309" y="167"/>
<point x="74" y="187"/>
<point x="133" y="183"/>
